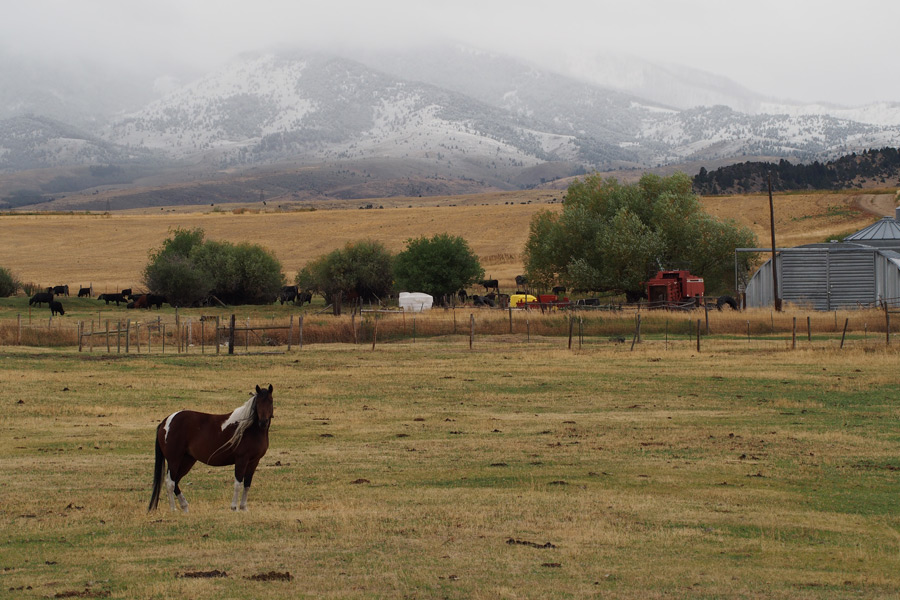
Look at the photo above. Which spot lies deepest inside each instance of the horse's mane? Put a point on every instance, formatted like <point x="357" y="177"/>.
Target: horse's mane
<point x="243" y="417"/>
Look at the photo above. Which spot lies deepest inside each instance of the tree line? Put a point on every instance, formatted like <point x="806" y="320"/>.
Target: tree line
<point x="609" y="237"/>
<point x="853" y="170"/>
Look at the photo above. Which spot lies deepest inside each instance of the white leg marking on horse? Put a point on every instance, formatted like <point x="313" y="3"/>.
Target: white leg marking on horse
<point x="183" y="502"/>
<point x="170" y="490"/>
<point x="168" y="424"/>
<point x="238" y="486"/>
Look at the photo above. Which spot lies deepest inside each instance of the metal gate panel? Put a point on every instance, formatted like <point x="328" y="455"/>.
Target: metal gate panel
<point x="851" y="279"/>
<point x="804" y="278"/>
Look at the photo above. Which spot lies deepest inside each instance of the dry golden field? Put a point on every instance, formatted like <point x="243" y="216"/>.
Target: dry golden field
<point x="426" y="468"/>
<point x="110" y="250"/>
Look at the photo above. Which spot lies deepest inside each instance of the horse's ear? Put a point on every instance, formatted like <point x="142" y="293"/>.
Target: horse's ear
<point x="258" y="390"/>
<point x="270" y="388"/>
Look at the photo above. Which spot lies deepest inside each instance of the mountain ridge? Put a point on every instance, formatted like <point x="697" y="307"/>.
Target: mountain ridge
<point x="457" y="113"/>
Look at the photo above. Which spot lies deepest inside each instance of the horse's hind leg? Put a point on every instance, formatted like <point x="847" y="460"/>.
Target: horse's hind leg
<point x="173" y="477"/>
<point x="170" y="489"/>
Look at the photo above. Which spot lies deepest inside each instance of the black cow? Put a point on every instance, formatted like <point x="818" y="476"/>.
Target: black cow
<point x="112" y="298"/>
<point x="126" y="292"/>
<point x="304" y="297"/>
<point x="40" y="298"/>
<point x="462" y="295"/>
<point x="491" y="284"/>
<point x="521" y="280"/>
<point x="288" y="293"/>
<point x="560" y="289"/>
<point x="155" y="300"/>
<point x="84" y="292"/>
<point x="56" y="308"/>
<point x="61" y="290"/>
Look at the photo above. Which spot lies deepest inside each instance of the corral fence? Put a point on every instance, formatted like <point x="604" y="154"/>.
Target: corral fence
<point x="229" y="334"/>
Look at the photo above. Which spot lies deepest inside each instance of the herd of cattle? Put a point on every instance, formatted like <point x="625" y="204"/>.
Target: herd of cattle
<point x="126" y="296"/>
<point x="288" y="293"/>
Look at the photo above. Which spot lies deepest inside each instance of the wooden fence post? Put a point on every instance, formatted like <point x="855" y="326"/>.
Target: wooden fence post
<point x="127" y="335"/>
<point x="637" y="331"/>
<point x="300" y="333"/>
<point x="843" y="335"/>
<point x="374" y="330"/>
<point x="290" y="332"/>
<point x="107" y="337"/>
<point x="231" y="337"/>
<point x="706" y="310"/>
<point x="80" y="330"/>
<point x="698" y="335"/>
<point x="808" y="329"/>
<point x="471" y="330"/>
<point x="510" y="318"/>
<point x="667" y="333"/>
<point x="794" y="334"/>
<point x="571" y="325"/>
<point x="218" y="331"/>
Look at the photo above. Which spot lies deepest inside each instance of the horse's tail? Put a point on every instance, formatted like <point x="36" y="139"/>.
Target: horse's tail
<point x="159" y="471"/>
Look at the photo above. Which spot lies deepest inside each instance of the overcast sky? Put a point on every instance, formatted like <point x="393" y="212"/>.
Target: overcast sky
<point x="809" y="50"/>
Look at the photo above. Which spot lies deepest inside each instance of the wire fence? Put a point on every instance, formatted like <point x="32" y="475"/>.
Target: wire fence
<point x="227" y="333"/>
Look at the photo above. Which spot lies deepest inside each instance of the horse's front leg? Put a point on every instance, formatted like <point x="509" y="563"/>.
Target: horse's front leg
<point x="243" y="477"/>
<point x="238" y="487"/>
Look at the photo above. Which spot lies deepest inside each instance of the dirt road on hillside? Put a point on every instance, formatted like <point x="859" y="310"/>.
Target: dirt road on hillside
<point x="882" y="205"/>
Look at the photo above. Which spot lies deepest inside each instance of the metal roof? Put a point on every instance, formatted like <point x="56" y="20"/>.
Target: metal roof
<point x="887" y="228"/>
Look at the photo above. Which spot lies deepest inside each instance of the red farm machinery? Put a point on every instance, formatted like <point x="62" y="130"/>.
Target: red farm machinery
<point x="681" y="290"/>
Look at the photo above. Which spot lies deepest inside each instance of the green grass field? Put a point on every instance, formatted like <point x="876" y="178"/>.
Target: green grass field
<point x="430" y="470"/>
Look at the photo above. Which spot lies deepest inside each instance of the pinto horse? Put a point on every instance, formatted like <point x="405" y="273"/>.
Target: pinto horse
<point x="239" y="438"/>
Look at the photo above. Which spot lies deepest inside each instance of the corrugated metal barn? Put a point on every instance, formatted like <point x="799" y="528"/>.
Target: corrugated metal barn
<point x="861" y="271"/>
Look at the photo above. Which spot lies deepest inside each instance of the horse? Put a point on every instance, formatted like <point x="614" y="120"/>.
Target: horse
<point x="239" y="438"/>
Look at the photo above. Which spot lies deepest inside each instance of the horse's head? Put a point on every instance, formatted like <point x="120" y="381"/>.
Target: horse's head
<point x="265" y="406"/>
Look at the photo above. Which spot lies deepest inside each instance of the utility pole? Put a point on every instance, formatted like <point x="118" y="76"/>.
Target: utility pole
<point x="774" y="263"/>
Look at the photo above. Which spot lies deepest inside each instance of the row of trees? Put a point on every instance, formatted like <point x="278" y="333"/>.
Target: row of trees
<point x="187" y="269"/>
<point x="880" y="166"/>
<point x="608" y="237"/>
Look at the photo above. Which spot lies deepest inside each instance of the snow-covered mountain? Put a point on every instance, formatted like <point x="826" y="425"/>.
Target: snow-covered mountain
<point x="452" y="111"/>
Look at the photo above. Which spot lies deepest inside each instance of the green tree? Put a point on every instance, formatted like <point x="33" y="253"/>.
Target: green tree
<point x="439" y="266"/>
<point x="613" y="237"/>
<point x="9" y="283"/>
<point x="362" y="269"/>
<point x="186" y="269"/>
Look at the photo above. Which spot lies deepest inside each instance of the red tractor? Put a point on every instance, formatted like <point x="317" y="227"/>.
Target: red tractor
<point x="681" y="289"/>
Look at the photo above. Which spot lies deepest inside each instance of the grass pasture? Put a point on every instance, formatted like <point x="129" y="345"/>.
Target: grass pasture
<point x="430" y="470"/>
<point x="424" y="469"/>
